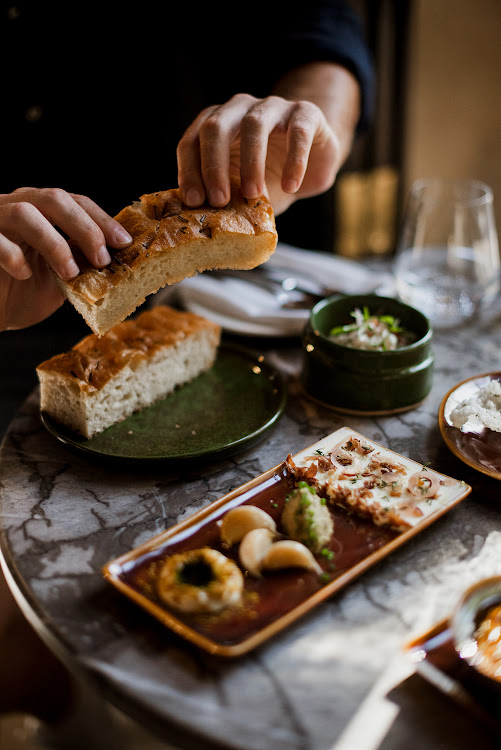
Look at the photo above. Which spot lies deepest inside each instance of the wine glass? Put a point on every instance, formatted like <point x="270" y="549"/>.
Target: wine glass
<point x="447" y="262"/>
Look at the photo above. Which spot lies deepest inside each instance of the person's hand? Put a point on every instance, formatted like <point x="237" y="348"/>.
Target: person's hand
<point x="274" y="144"/>
<point x="290" y="145"/>
<point x="30" y="241"/>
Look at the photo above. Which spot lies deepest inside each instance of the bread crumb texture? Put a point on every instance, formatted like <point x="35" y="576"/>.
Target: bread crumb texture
<point x="102" y="380"/>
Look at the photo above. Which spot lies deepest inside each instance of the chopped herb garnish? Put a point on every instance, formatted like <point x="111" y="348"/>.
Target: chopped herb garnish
<point x="372" y="332"/>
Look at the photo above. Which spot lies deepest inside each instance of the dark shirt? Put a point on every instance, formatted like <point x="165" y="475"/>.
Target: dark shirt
<point x="97" y="94"/>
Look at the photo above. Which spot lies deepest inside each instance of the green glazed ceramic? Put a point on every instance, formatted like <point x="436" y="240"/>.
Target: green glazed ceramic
<point x="356" y="381"/>
<point x="220" y="413"/>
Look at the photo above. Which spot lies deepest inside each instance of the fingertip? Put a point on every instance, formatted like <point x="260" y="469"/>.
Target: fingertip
<point x="218" y="198"/>
<point x="194" y="197"/>
<point x="23" y="273"/>
<point x="103" y="257"/>
<point x="250" y="190"/>
<point x="69" y="271"/>
<point x="290" y="185"/>
<point x="121" y="238"/>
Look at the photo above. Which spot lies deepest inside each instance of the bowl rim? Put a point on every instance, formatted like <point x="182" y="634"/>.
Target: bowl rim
<point x="368" y="352"/>
<point x="460" y="621"/>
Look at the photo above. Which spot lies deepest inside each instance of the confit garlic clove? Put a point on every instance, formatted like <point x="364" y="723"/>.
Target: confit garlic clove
<point x="288" y="553"/>
<point x="253" y="549"/>
<point x="237" y="522"/>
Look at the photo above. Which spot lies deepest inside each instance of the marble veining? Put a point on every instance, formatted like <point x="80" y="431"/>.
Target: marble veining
<point x="64" y="516"/>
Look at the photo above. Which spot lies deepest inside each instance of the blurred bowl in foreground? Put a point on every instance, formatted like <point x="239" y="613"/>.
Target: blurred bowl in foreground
<point x="476" y="628"/>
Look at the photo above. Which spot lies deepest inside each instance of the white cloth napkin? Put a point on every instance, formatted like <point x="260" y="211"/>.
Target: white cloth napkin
<point x="243" y="307"/>
<point x="341" y="274"/>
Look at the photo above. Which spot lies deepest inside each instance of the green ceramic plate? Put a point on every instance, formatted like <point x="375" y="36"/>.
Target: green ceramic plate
<point x="221" y="412"/>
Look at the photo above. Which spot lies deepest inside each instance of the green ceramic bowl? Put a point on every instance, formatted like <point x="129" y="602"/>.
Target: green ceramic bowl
<point x="357" y="381"/>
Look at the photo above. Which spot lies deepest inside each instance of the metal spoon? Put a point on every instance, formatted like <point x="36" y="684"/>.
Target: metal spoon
<point x="290" y="281"/>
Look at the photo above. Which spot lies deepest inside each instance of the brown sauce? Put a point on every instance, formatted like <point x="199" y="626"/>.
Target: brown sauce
<point x="268" y="598"/>
<point x="484" y="447"/>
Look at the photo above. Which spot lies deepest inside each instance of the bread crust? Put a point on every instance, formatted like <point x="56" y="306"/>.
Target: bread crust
<point x="95" y="360"/>
<point x="103" y="380"/>
<point x="180" y="242"/>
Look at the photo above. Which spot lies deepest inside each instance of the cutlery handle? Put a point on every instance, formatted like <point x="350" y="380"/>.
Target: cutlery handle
<point x="292" y="298"/>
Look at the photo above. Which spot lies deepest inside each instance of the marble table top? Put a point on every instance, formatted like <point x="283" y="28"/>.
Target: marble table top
<point x="338" y="678"/>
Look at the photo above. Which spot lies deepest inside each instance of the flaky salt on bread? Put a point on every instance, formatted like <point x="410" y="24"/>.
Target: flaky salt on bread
<point x="171" y="242"/>
<point x="104" y="379"/>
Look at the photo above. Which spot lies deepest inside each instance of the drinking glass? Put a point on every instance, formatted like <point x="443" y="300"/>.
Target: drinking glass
<point x="447" y="261"/>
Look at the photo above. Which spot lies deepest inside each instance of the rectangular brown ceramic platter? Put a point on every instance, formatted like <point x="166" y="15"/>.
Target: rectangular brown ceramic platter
<point x="278" y="598"/>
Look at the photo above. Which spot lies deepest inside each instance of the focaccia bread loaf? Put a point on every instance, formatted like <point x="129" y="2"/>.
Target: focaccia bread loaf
<point x="171" y="242"/>
<point x="102" y="380"/>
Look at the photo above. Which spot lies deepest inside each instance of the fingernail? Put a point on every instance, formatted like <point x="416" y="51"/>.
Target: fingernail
<point x="217" y="197"/>
<point x="24" y="272"/>
<point x="122" y="237"/>
<point x="251" y="190"/>
<point x="70" y="270"/>
<point x="103" y="257"/>
<point x="291" y="186"/>
<point x="194" y="197"/>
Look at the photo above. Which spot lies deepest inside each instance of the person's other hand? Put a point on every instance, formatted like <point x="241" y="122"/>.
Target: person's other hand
<point x="30" y="242"/>
<point x="286" y="147"/>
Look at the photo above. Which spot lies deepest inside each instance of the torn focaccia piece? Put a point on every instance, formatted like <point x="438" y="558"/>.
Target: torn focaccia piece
<point x="171" y="242"/>
<point x="372" y="482"/>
